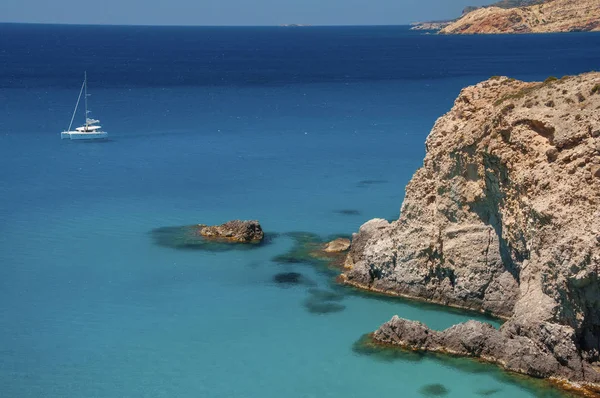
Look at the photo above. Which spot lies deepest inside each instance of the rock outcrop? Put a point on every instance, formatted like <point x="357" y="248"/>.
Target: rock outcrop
<point x="551" y="354"/>
<point x="550" y="16"/>
<point x="503" y="218"/>
<point x="431" y="25"/>
<point x="337" y="245"/>
<point x="235" y="231"/>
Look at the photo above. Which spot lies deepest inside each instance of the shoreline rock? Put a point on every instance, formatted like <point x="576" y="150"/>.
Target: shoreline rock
<point x="503" y="218"/>
<point x="483" y="342"/>
<point x="343" y="280"/>
<point x="235" y="231"/>
<point x="337" y="246"/>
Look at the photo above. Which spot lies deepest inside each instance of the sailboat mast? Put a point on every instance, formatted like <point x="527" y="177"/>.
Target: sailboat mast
<point x="76" y="106"/>
<point x="86" y="95"/>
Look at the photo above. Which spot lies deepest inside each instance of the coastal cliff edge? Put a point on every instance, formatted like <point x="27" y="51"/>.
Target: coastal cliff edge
<point x="502" y="218"/>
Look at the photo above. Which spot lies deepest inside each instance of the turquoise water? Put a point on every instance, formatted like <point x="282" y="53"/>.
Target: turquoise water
<point x="92" y="307"/>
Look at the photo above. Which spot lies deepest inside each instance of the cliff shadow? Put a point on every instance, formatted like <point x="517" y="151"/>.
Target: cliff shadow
<point x="422" y="305"/>
<point x="497" y="181"/>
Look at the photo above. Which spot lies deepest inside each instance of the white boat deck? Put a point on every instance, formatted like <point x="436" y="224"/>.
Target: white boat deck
<point x="84" y="135"/>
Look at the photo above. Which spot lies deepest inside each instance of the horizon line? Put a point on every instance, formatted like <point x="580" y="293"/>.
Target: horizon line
<point x="283" y="25"/>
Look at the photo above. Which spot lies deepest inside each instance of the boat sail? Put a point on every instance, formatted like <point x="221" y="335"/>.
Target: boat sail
<point x="91" y="130"/>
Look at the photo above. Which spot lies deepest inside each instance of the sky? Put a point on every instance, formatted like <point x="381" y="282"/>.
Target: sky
<point x="231" y="12"/>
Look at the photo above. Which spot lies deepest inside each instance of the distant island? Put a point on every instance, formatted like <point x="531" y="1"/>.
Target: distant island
<point x="522" y="16"/>
<point x="293" y="25"/>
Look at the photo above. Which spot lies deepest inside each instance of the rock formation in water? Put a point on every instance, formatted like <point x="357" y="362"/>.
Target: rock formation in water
<point x="550" y="16"/>
<point x="236" y="231"/>
<point x="337" y="245"/>
<point x="503" y="218"/>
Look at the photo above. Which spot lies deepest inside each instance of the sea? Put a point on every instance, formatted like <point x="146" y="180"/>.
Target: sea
<point x="310" y="130"/>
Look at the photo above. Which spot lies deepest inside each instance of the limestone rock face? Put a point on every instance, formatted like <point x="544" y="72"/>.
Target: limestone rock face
<point x="236" y="231"/>
<point x="551" y="16"/>
<point x="503" y="218"/>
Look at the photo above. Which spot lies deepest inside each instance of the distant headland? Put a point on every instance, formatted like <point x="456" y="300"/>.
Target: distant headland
<point x="522" y="16"/>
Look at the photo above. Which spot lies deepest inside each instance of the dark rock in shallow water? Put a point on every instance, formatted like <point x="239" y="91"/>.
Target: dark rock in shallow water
<point x="304" y="243"/>
<point x="315" y="306"/>
<point x="288" y="278"/>
<point x="348" y="212"/>
<point x="488" y="392"/>
<point x="434" y="390"/>
<point x="188" y="237"/>
<point x="309" y="249"/>
<point x="290" y="258"/>
<point x="366" y="183"/>
<point x="236" y="231"/>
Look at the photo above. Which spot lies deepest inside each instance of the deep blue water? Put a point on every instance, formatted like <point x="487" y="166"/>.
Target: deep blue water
<point x="208" y="124"/>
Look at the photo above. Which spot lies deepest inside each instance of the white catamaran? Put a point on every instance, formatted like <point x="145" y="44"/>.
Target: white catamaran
<point x="90" y="130"/>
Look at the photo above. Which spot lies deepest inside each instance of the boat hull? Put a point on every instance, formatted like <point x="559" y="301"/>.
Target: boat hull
<point x="84" y="135"/>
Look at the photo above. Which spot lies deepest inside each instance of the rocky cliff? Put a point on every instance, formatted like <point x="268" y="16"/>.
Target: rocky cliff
<point x="439" y="25"/>
<point x="504" y="218"/>
<point x="551" y="16"/>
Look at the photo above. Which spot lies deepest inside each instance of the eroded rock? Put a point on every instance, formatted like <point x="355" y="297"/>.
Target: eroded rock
<point x="337" y="245"/>
<point x="236" y="231"/>
<point x="188" y="237"/>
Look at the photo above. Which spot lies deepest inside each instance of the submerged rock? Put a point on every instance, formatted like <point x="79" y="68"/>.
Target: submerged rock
<point x="366" y="183"/>
<point x="348" y="212"/>
<point x="488" y="392"/>
<point x="288" y="278"/>
<point x="324" y="301"/>
<point x="434" y="390"/>
<point x="309" y="248"/>
<point x="316" y="306"/>
<point x="492" y="223"/>
<point x="304" y="244"/>
<point x="236" y="231"/>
